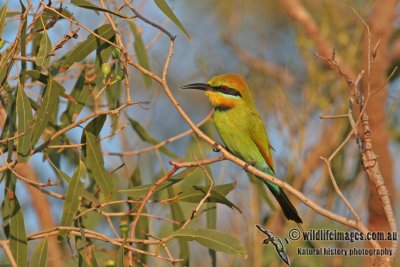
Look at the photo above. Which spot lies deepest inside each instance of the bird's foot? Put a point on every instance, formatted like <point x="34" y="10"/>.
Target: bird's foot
<point x="266" y="241"/>
<point x="215" y="147"/>
<point x="249" y="163"/>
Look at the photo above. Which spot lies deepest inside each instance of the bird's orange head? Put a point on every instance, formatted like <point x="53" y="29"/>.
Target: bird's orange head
<point x="225" y="91"/>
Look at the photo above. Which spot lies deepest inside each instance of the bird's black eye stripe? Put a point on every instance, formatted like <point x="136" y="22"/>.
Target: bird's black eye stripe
<point x="227" y="90"/>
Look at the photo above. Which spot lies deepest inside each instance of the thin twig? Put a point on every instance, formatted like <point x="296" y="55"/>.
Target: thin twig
<point x="6" y="247"/>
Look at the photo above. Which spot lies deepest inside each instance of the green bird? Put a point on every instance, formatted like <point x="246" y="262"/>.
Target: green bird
<point x="242" y="129"/>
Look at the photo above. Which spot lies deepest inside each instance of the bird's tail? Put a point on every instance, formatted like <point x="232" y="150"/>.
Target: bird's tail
<point x="288" y="209"/>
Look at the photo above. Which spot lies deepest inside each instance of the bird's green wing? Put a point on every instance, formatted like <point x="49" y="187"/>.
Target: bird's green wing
<point x="260" y="137"/>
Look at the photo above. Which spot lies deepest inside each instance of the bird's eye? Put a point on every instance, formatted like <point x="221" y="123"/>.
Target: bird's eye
<point x="224" y="88"/>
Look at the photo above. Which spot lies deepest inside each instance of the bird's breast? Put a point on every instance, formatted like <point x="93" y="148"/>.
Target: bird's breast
<point x="233" y="130"/>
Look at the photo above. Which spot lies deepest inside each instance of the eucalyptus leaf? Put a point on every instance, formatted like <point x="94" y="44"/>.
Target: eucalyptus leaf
<point x="90" y="6"/>
<point x="95" y="163"/>
<point x="83" y="49"/>
<point x="141" y="52"/>
<point x="59" y="172"/>
<point x="24" y="115"/>
<point x="47" y="108"/>
<point x="72" y="198"/>
<point x="145" y="136"/>
<point x="94" y="127"/>
<point x="163" y="6"/>
<point x="81" y="94"/>
<point x="18" y="240"/>
<point x="43" y="78"/>
<point x="197" y="193"/>
<point x="3" y="14"/>
<point x="39" y="255"/>
<point x="121" y="256"/>
<point x="212" y="239"/>
<point x="42" y="57"/>
<point x="141" y="190"/>
<point x="4" y="65"/>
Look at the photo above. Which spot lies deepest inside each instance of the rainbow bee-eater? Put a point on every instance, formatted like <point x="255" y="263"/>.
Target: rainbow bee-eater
<point x="242" y="129"/>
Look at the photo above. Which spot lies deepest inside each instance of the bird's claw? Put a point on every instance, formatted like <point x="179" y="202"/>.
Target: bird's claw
<point x="215" y="147"/>
<point x="249" y="163"/>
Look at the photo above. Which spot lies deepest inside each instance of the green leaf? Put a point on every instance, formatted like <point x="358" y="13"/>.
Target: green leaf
<point x="141" y="190"/>
<point x="3" y="13"/>
<point x="43" y="58"/>
<point x="145" y="136"/>
<point x="4" y="64"/>
<point x="9" y="127"/>
<point x="114" y="94"/>
<point x="48" y="16"/>
<point x="39" y="255"/>
<point x="81" y="244"/>
<point x="81" y="94"/>
<point x="83" y="49"/>
<point x="18" y="241"/>
<point x="94" y="162"/>
<point x="59" y="172"/>
<point x="34" y="74"/>
<point x="212" y="239"/>
<point x="141" y="52"/>
<point x="197" y="193"/>
<point x="120" y="256"/>
<point x="212" y="224"/>
<point x="163" y="6"/>
<point x="24" y="114"/>
<point x="72" y="198"/>
<point x="23" y="43"/>
<point x="47" y="109"/>
<point x="88" y="5"/>
<point x="94" y="127"/>
<point x="142" y="226"/>
<point x="177" y="215"/>
<point x="35" y="42"/>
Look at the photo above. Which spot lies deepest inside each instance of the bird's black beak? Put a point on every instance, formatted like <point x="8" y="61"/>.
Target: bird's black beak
<point x="199" y="86"/>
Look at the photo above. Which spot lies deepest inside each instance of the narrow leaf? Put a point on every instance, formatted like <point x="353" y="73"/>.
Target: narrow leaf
<point x="81" y="244"/>
<point x="88" y="5"/>
<point x="177" y="215"/>
<point x="145" y="136"/>
<point x="24" y="115"/>
<point x="72" y="198"/>
<point x="4" y="64"/>
<point x="94" y="127"/>
<point x="3" y="13"/>
<point x="95" y="163"/>
<point x="212" y="224"/>
<point x="163" y="6"/>
<point x="141" y="52"/>
<point x="212" y="239"/>
<point x="81" y="94"/>
<point x="59" y="172"/>
<point x="195" y="194"/>
<point x="39" y="255"/>
<point x="83" y="49"/>
<point x="141" y="190"/>
<point x="120" y="256"/>
<point x="18" y="242"/>
<point x="142" y="226"/>
<point x="43" y="58"/>
<point x="47" y="109"/>
<point x="34" y="74"/>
